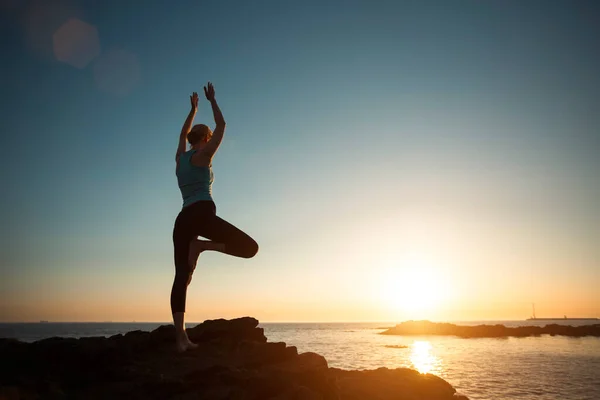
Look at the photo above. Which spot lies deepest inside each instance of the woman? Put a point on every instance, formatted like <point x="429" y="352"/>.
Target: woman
<point x="198" y="215"/>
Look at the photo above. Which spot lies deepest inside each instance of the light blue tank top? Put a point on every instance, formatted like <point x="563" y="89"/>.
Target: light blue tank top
<point x="195" y="182"/>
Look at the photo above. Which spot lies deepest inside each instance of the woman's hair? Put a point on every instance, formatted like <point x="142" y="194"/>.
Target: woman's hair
<point x="199" y="133"/>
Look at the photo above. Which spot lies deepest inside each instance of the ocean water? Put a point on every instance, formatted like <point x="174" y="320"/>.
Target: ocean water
<point x="541" y="368"/>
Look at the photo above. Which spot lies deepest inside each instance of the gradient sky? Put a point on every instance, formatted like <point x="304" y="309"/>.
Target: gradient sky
<point x="394" y="160"/>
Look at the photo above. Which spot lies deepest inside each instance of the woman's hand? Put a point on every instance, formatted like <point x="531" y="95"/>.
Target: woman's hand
<point x="194" y="101"/>
<point x="210" y="92"/>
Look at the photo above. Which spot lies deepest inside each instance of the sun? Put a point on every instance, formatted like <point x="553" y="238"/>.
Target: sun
<point x="414" y="288"/>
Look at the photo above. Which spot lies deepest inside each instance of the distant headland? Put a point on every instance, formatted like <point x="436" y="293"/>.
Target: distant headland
<point x="410" y="328"/>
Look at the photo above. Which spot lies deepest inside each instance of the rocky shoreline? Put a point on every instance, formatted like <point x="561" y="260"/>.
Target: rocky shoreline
<point x="410" y="328"/>
<point x="233" y="361"/>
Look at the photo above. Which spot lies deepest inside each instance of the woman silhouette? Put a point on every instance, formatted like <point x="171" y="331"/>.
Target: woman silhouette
<point x="198" y="215"/>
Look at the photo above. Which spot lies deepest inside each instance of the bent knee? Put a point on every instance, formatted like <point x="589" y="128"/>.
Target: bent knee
<point x="251" y="250"/>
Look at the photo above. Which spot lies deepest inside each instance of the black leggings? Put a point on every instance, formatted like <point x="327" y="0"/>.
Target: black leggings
<point x="200" y="219"/>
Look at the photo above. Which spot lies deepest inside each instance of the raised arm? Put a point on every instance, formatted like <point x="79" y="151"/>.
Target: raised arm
<point x="213" y="144"/>
<point x="187" y="126"/>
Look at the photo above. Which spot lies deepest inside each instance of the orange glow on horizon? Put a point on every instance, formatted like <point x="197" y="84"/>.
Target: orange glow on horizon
<point x="414" y="287"/>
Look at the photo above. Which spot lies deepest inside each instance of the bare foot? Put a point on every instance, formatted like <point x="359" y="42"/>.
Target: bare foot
<point x="181" y="347"/>
<point x="183" y="344"/>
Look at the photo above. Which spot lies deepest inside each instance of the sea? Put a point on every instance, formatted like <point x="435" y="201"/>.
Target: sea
<point x="541" y="368"/>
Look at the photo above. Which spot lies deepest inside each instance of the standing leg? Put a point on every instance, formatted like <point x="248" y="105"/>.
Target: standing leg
<point x="182" y="342"/>
<point x="181" y="240"/>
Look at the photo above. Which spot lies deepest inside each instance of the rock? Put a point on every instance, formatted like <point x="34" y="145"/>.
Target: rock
<point x="233" y="361"/>
<point x="298" y="393"/>
<point x="233" y="330"/>
<point x="383" y="383"/>
<point x="480" y="331"/>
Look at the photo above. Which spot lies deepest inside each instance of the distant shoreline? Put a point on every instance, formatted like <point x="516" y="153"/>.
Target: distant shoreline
<point x="412" y="328"/>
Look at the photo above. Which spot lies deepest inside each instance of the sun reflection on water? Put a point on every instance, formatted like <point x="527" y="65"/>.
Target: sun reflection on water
<point x="422" y="358"/>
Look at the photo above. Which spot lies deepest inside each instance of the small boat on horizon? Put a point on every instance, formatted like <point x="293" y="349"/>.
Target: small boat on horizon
<point x="564" y="318"/>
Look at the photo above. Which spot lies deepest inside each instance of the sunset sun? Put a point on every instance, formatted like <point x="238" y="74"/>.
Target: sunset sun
<point x="414" y="288"/>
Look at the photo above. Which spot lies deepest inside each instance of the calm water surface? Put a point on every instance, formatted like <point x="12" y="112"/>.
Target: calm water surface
<point x="544" y="368"/>
<point x="541" y="368"/>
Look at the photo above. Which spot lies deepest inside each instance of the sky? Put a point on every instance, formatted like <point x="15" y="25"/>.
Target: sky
<point x="393" y="159"/>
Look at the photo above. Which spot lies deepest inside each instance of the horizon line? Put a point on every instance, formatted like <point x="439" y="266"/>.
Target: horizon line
<point x="278" y="322"/>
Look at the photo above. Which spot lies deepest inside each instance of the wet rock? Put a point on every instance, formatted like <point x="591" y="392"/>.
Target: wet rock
<point x="383" y="383"/>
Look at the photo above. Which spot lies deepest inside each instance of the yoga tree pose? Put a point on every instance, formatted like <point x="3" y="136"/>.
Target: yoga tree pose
<point x="198" y="215"/>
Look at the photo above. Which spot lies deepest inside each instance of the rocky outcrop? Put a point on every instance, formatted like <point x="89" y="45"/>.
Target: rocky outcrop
<point x="481" y="331"/>
<point x="233" y="361"/>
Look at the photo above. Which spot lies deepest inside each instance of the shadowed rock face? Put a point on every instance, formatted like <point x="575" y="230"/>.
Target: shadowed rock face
<point x="233" y="361"/>
<point x="481" y="331"/>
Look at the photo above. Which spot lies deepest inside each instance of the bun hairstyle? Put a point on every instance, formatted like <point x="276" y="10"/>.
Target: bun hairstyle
<point x="198" y="134"/>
